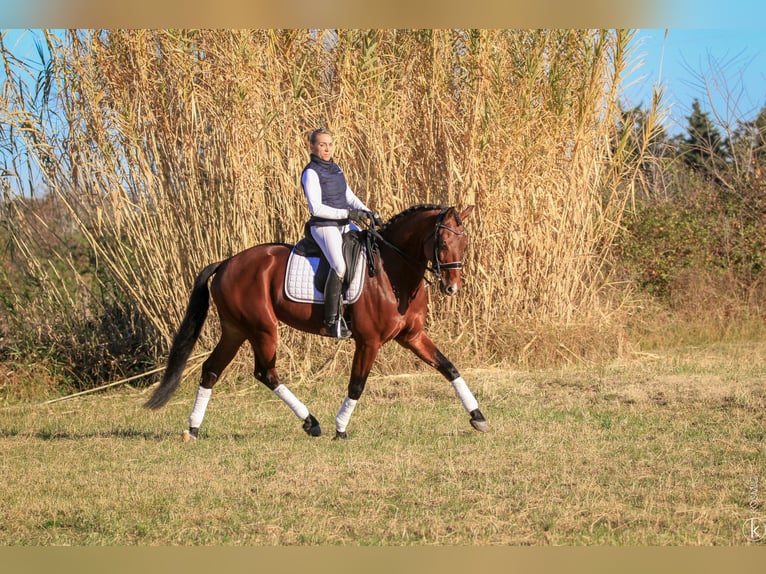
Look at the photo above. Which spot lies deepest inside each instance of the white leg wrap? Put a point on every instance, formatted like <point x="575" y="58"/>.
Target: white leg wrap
<point x="465" y="395"/>
<point x="200" y="406"/>
<point x="300" y="410"/>
<point x="344" y="414"/>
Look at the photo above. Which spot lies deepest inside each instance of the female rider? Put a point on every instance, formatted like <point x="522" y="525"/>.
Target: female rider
<point x="331" y="203"/>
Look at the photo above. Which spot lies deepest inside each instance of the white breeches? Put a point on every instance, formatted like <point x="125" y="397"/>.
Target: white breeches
<point x="330" y="240"/>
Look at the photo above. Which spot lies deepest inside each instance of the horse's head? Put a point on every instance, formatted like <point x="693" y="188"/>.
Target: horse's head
<point x="446" y="249"/>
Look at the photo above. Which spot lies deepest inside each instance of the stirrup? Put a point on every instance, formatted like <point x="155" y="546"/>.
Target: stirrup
<point x="338" y="329"/>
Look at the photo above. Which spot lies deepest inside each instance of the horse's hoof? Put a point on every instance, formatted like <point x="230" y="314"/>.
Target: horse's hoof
<point x="190" y="435"/>
<point x="340" y="435"/>
<point x="478" y="421"/>
<point x="481" y="426"/>
<point x="311" y="426"/>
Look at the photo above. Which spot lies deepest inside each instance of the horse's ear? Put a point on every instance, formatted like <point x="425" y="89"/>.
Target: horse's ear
<point x="466" y="212"/>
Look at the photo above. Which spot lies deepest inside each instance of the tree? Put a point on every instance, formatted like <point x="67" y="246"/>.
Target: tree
<point x="703" y="149"/>
<point x="748" y="148"/>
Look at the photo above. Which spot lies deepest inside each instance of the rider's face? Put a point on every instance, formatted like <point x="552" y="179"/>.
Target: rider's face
<point x="322" y="146"/>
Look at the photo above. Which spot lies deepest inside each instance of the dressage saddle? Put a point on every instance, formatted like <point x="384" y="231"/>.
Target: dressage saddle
<point x="352" y="250"/>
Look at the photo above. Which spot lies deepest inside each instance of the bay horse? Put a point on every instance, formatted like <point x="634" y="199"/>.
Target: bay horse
<point x="248" y="291"/>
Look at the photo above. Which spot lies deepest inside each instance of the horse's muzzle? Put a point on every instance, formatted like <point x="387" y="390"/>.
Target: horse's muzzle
<point x="450" y="289"/>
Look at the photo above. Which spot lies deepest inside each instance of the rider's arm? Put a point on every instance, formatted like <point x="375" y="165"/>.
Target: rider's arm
<point x="353" y="201"/>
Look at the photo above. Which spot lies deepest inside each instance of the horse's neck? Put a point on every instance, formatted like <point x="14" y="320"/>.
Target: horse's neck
<point x="407" y="268"/>
<point x="408" y="238"/>
<point x="409" y="233"/>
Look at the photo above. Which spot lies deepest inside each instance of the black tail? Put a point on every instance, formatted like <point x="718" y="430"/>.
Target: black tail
<point x="183" y="343"/>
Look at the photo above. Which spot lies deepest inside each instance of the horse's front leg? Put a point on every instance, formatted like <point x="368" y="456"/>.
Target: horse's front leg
<point x="422" y="345"/>
<point x="364" y="357"/>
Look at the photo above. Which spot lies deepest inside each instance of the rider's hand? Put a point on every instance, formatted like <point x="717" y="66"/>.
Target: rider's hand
<point x="358" y="215"/>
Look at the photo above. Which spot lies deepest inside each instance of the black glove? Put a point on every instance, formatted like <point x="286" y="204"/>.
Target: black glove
<point x="376" y="219"/>
<point x="358" y="215"/>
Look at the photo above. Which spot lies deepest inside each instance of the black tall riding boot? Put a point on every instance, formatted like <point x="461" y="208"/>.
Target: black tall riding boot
<point x="333" y="322"/>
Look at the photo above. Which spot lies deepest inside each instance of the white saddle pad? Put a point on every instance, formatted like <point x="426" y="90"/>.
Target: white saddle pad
<point x="299" y="280"/>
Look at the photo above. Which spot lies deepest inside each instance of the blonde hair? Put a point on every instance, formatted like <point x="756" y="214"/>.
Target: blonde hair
<point x="316" y="133"/>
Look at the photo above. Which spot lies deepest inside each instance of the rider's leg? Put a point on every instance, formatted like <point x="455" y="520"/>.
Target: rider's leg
<point x="330" y="239"/>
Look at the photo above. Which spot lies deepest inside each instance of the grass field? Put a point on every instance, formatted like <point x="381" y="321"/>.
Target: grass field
<point x="662" y="449"/>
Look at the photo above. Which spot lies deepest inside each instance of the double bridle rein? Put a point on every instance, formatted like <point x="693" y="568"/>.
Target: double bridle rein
<point x="436" y="266"/>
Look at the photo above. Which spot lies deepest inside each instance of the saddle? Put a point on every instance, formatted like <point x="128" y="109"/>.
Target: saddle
<point x="307" y="269"/>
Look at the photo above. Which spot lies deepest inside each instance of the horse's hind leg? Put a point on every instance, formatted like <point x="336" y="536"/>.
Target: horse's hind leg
<point x="224" y="352"/>
<point x="265" y="352"/>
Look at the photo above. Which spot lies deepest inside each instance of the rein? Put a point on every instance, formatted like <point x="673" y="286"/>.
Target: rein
<point x="436" y="266"/>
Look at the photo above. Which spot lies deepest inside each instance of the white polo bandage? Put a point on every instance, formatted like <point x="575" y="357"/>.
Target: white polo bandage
<point x="200" y="406"/>
<point x="300" y="410"/>
<point x="344" y="414"/>
<point x="465" y="395"/>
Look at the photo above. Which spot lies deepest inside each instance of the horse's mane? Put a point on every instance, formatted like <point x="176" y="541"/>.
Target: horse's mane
<point x="409" y="210"/>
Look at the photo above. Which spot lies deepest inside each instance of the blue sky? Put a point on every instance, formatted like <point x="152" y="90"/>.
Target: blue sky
<point x="724" y="68"/>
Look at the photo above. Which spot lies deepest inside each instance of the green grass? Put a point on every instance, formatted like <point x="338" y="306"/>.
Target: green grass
<point x="660" y="450"/>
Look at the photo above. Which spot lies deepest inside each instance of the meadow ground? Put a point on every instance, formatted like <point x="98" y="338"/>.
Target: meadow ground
<point x="662" y="449"/>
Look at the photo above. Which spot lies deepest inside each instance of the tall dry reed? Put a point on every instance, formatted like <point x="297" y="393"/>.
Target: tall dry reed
<point x="177" y="148"/>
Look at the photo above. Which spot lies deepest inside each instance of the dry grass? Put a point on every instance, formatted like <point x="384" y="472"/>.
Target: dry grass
<point x="659" y="450"/>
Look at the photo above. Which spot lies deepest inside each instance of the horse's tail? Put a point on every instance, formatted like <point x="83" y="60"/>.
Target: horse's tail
<point x="183" y="342"/>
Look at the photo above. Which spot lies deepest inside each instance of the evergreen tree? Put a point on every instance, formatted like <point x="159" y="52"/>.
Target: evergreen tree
<point x="703" y="149"/>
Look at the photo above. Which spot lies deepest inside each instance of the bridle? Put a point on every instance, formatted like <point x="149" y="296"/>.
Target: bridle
<point x="436" y="266"/>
